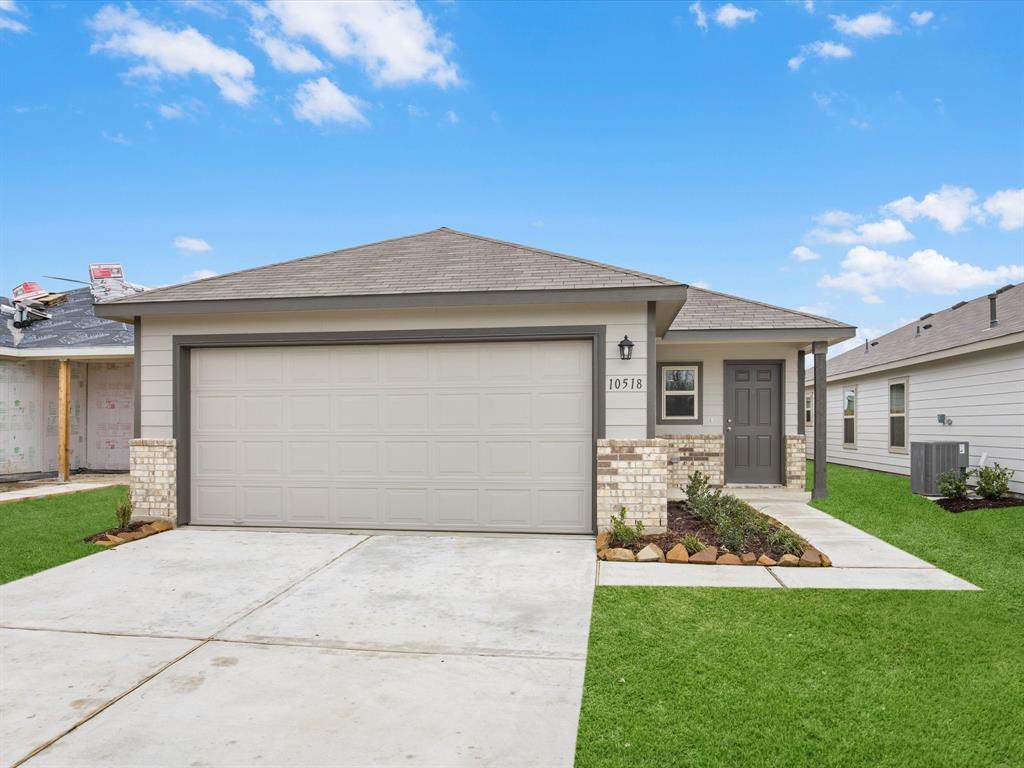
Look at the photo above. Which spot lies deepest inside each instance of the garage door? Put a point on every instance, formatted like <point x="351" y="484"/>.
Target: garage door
<point x="489" y="436"/>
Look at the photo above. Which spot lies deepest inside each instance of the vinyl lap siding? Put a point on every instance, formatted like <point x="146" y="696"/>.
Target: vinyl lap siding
<point x="982" y="394"/>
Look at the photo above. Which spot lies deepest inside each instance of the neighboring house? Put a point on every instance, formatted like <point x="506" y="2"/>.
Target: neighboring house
<point x="98" y="355"/>
<point x="957" y="374"/>
<point x="446" y="381"/>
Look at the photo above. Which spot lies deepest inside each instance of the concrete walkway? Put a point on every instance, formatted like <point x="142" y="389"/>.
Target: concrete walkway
<point x="54" y="488"/>
<point x="859" y="560"/>
<point x="200" y="647"/>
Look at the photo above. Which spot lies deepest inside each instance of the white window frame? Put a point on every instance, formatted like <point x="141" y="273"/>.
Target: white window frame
<point x="852" y="417"/>
<point x="905" y="381"/>
<point x="665" y="394"/>
<point x="809" y="408"/>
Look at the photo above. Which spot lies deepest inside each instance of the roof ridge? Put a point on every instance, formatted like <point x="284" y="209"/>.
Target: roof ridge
<point x="273" y="264"/>
<point x="568" y="257"/>
<point x="831" y="320"/>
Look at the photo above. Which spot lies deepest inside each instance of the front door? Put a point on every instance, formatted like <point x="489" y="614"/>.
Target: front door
<point x="753" y="422"/>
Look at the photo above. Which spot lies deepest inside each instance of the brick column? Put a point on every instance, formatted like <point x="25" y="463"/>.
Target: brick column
<point x="633" y="474"/>
<point x="796" y="461"/>
<point x="154" y="477"/>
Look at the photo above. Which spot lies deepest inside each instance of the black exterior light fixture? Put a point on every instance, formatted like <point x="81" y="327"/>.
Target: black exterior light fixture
<point x="625" y="348"/>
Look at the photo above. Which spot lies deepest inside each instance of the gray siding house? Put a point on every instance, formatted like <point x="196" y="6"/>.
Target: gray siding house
<point x="956" y="374"/>
<point x="447" y="381"/>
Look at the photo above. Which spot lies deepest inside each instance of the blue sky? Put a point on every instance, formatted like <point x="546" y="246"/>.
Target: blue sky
<point x="706" y="142"/>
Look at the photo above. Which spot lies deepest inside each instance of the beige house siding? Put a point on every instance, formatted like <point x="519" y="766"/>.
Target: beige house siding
<point x="982" y="394"/>
<point x="625" y="412"/>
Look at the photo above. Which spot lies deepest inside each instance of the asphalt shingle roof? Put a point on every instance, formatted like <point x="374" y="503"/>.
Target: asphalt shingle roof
<point x="710" y="310"/>
<point x="439" y="261"/>
<point x="950" y="328"/>
<point x="73" y="324"/>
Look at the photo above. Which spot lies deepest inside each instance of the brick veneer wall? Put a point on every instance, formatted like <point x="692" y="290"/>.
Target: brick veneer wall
<point x="796" y="461"/>
<point x="690" y="453"/>
<point x="154" y="477"/>
<point x="633" y="474"/>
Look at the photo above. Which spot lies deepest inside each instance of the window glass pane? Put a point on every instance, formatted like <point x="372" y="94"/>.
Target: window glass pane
<point x="897" y="397"/>
<point x="897" y="434"/>
<point x="848" y="431"/>
<point x="680" y="379"/>
<point x="849" y="402"/>
<point x="679" y="405"/>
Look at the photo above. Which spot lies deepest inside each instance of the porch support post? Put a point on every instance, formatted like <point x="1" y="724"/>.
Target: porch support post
<point x="63" y="419"/>
<point x="801" y="361"/>
<point x="820" y="489"/>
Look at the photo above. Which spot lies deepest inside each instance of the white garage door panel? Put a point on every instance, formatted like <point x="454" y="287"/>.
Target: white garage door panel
<point x="455" y="436"/>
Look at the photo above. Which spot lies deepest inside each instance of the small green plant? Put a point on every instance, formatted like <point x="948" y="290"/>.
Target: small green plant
<point x="786" y="541"/>
<point x="697" y="487"/>
<point x="953" y="484"/>
<point x="692" y="543"/>
<point x="994" y="481"/>
<point x="622" y="532"/>
<point x="124" y="511"/>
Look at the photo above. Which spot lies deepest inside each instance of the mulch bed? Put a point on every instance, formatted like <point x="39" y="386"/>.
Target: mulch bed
<point x="966" y="505"/>
<point x="132" y="528"/>
<point x="681" y="522"/>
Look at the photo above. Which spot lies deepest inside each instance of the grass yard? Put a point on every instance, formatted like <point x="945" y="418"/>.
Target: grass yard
<point x="730" y="677"/>
<point x="40" y="533"/>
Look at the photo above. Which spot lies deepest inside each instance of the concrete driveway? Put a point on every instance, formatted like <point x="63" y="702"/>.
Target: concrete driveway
<point x="231" y="648"/>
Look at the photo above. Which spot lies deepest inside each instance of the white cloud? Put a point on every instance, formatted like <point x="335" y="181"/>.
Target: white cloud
<point x="866" y="271"/>
<point x="191" y="244"/>
<point x="394" y="41"/>
<point x="837" y="219"/>
<point x="1007" y="205"/>
<point x="200" y="274"/>
<point x="321" y="101"/>
<point x="809" y="6"/>
<point x="819" y="308"/>
<point x="700" y="284"/>
<point x="803" y="253"/>
<point x="701" y="18"/>
<point x="885" y="231"/>
<point x="729" y="15"/>
<point x="921" y="18"/>
<point x="950" y="206"/>
<point x="116" y="138"/>
<point x="286" y="56"/>
<point x="9" y="6"/>
<point x="123" y="32"/>
<point x="6" y="22"/>
<point x="866" y="25"/>
<point x="820" y="49"/>
<point x="172" y="111"/>
<point x="451" y="117"/>
<point x="863" y="334"/>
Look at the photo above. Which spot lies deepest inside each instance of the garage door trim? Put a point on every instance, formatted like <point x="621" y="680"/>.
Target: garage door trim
<point x="182" y="378"/>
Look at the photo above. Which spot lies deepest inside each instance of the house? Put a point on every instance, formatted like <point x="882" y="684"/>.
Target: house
<point x="954" y="375"/>
<point x="66" y="391"/>
<point x="447" y="381"/>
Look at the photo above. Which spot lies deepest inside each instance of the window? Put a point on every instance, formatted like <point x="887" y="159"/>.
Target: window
<point x="809" y="408"/>
<point x="850" y="417"/>
<point x="898" y="415"/>
<point x="680" y="388"/>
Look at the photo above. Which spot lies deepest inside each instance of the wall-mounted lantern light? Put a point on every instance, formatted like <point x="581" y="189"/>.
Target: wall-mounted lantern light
<point x="625" y="348"/>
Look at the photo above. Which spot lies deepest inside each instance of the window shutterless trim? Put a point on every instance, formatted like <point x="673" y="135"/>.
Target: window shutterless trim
<point x="852" y="417"/>
<point x="905" y="381"/>
<point x="682" y="421"/>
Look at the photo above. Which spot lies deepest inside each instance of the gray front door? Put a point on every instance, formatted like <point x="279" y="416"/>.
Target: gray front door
<point x="753" y="423"/>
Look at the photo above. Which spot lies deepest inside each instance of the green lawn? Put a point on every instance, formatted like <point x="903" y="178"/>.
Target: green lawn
<point x="705" y="677"/>
<point x="41" y="533"/>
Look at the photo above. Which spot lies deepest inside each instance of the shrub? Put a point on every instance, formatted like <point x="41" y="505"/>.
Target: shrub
<point x="697" y="487"/>
<point x="786" y="541"/>
<point x="623" y="533"/>
<point x="692" y="544"/>
<point x="124" y="511"/>
<point x="953" y="484"/>
<point x="994" y="481"/>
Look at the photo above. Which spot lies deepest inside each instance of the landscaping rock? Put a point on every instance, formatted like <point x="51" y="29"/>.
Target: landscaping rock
<point x="729" y="559"/>
<point x="789" y="561"/>
<point x="132" y="535"/>
<point x="617" y="555"/>
<point x="748" y="558"/>
<point x="811" y="558"/>
<point x="604" y="540"/>
<point x="766" y="560"/>
<point x="148" y="529"/>
<point x="678" y="554"/>
<point x="650" y="554"/>
<point x="108" y="541"/>
<point x="705" y="557"/>
<point x="161" y="525"/>
<point x="826" y="561"/>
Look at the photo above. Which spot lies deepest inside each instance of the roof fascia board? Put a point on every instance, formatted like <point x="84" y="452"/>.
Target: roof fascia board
<point x="665" y="313"/>
<point x="68" y="353"/>
<point x="831" y="334"/>
<point x="126" y="311"/>
<point x="965" y="349"/>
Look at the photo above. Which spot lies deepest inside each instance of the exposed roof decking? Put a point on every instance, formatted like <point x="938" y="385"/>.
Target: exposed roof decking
<point x="73" y="326"/>
<point x="950" y="328"/>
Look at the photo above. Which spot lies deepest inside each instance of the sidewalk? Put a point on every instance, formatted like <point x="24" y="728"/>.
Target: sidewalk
<point x="859" y="560"/>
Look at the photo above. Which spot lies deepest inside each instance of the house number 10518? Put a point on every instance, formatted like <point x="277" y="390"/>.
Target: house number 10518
<point x="625" y="383"/>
